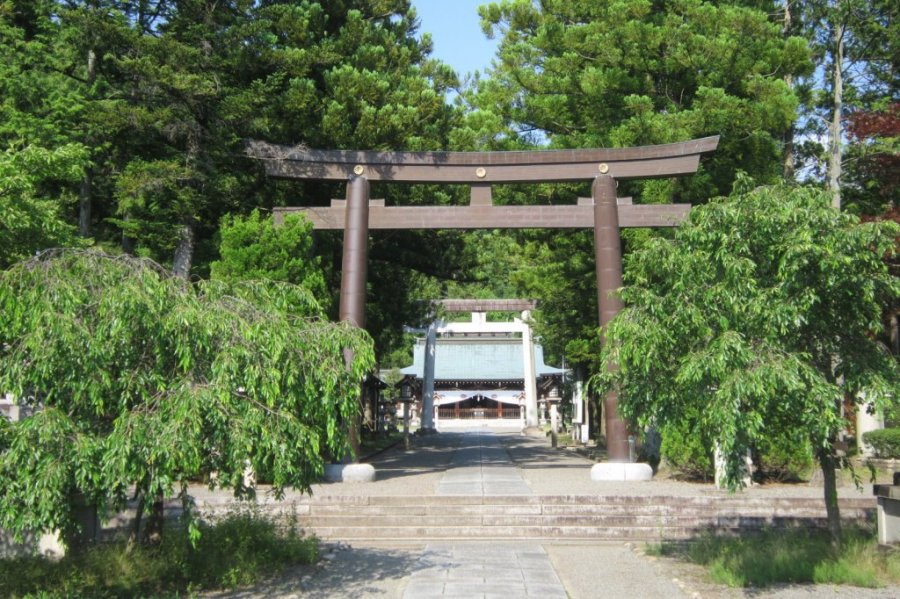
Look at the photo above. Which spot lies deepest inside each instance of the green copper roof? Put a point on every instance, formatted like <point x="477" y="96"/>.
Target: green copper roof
<point x="478" y="359"/>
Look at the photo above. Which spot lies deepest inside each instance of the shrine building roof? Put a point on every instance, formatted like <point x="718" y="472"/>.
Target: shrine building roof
<point x="478" y="359"/>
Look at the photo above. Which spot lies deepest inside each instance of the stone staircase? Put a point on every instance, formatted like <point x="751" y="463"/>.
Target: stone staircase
<point x="594" y="518"/>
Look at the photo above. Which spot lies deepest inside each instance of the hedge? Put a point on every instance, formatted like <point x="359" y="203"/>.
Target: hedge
<point x="885" y="442"/>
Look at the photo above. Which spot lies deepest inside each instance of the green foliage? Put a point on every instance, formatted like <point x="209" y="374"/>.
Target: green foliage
<point x="791" y="557"/>
<point x="758" y="316"/>
<point x="31" y="215"/>
<point x="885" y="442"/>
<point x="688" y="450"/>
<point x="252" y="247"/>
<point x="558" y="269"/>
<point x="145" y="382"/>
<point x="783" y="457"/>
<point x="240" y="549"/>
<point x="635" y="72"/>
<point x="581" y="73"/>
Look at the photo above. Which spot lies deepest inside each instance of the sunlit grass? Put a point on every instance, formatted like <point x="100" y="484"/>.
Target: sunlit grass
<point x="240" y="549"/>
<point x="793" y="556"/>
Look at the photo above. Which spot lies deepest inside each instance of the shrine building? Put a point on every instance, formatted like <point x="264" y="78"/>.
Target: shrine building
<point x="480" y="374"/>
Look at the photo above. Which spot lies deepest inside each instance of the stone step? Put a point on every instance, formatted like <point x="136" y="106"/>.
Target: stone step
<point x="586" y="511"/>
<point x="630" y="502"/>
<point x="595" y="533"/>
<point x="405" y="518"/>
<point x="559" y="517"/>
<point x="570" y="520"/>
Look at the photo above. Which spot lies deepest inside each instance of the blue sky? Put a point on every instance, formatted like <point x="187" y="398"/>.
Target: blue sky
<point x="456" y="32"/>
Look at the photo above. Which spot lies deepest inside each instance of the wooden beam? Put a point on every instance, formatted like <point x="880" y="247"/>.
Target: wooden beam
<point x="543" y="173"/>
<point x="493" y="217"/>
<point x="486" y="305"/>
<point x="484" y="167"/>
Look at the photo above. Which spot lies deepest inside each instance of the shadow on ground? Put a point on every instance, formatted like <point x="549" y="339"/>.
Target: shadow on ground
<point x="529" y="452"/>
<point x="431" y="453"/>
<point x="354" y="572"/>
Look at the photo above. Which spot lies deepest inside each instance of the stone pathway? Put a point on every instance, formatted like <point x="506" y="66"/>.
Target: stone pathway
<point x="480" y="463"/>
<point x="481" y="466"/>
<point x="506" y="571"/>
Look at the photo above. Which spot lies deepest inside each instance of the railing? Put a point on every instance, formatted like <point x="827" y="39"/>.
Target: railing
<point x="479" y="413"/>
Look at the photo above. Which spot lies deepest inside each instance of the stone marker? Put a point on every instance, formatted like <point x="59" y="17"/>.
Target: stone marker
<point x="621" y="471"/>
<point x="349" y="473"/>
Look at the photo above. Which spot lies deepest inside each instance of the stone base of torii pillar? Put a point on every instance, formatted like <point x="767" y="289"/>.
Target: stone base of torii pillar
<point x="350" y="473"/>
<point x="621" y="471"/>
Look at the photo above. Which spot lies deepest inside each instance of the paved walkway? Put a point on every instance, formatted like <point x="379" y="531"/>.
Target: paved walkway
<point x="485" y="570"/>
<point x="481" y="466"/>
<point x="487" y="463"/>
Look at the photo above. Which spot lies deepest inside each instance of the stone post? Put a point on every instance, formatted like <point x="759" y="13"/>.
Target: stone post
<point x="428" y="421"/>
<point x="531" y="407"/>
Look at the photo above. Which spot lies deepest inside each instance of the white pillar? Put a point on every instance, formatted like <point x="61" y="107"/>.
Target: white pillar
<point x="866" y="422"/>
<point x="554" y="417"/>
<point x="719" y="463"/>
<point x="582" y="410"/>
<point x="428" y="379"/>
<point x="531" y="408"/>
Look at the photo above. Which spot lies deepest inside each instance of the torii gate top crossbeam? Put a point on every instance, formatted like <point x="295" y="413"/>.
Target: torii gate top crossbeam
<point x="486" y="305"/>
<point x="485" y="167"/>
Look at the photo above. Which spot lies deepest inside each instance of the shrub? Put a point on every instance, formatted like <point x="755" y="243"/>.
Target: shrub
<point x="783" y="459"/>
<point x="240" y="549"/>
<point x="688" y="451"/>
<point x="885" y="442"/>
<point x="790" y="556"/>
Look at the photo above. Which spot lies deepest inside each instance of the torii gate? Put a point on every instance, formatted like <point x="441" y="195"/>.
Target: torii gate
<point x="602" y="211"/>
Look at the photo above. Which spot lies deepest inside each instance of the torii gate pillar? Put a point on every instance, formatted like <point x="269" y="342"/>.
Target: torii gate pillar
<point x="353" y="270"/>
<point x="354" y="265"/>
<point x="608" y="249"/>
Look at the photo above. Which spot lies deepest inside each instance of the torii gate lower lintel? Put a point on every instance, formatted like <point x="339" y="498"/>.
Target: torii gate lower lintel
<point x="602" y="212"/>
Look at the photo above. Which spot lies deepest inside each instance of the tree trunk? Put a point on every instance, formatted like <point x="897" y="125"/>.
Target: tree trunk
<point x="135" y="533"/>
<point x="85" y="195"/>
<point x="895" y="335"/>
<point x="153" y="530"/>
<point x="832" y="510"/>
<point x="787" y="150"/>
<point x="834" y="129"/>
<point x="595" y="417"/>
<point x="184" y="251"/>
<point x="86" y="192"/>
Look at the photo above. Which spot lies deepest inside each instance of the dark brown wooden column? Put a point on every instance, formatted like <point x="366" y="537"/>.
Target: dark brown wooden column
<point x="356" y="239"/>
<point x="353" y="270"/>
<point x="608" y="249"/>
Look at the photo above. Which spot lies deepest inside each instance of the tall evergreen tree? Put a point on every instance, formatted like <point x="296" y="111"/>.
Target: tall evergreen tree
<point x="855" y="46"/>
<point x="634" y="72"/>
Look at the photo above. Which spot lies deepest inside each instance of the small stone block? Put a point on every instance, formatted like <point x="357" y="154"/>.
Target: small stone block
<point x="621" y="471"/>
<point x="350" y="473"/>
